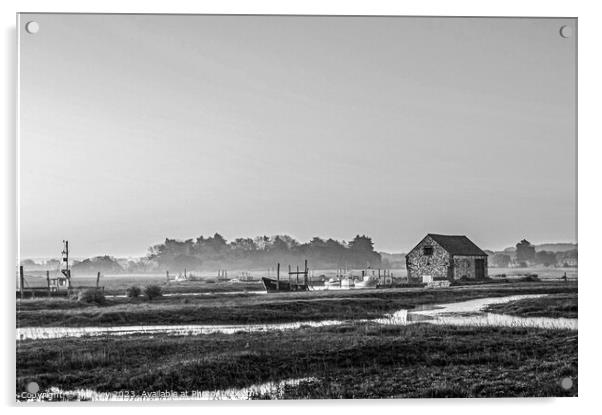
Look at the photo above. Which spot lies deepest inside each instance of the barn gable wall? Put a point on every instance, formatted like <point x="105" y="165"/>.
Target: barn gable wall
<point x="464" y="266"/>
<point x="435" y="265"/>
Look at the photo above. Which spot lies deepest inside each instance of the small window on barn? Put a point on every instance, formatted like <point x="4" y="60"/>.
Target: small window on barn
<point x="427" y="250"/>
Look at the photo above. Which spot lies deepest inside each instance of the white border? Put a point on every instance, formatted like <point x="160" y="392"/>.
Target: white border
<point x="590" y="22"/>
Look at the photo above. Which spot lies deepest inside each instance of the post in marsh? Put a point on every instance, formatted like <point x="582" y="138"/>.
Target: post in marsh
<point x="305" y="276"/>
<point x="48" y="282"/>
<point x="278" y="277"/>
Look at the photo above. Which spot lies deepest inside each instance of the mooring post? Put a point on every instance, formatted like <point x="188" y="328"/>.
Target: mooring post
<point x="278" y="277"/>
<point x="97" y="280"/>
<point x="48" y="281"/>
<point x="167" y="275"/>
<point x="306" y="280"/>
<point x="289" y="275"/>
<point x="21" y="280"/>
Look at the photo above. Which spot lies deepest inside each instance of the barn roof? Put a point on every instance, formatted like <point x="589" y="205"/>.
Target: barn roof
<point x="457" y="244"/>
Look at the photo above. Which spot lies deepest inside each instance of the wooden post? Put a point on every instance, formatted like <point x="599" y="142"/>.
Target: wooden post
<point x="305" y="275"/>
<point x="278" y="277"/>
<point x="297" y="274"/>
<point x="66" y="260"/>
<point x="97" y="280"/>
<point x="289" y="275"/>
<point x="185" y="277"/>
<point x="21" y="280"/>
<point x="48" y="281"/>
<point x="167" y="275"/>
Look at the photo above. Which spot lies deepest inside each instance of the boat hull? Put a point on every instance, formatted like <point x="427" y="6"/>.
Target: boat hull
<point x="272" y="285"/>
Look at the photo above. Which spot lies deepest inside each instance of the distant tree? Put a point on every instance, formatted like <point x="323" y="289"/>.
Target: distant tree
<point x="317" y="243"/>
<point x="28" y="263"/>
<point x="217" y="243"/>
<point x="278" y="245"/>
<point x="105" y="264"/>
<point x="362" y="243"/>
<point x="262" y="242"/>
<point x="243" y="246"/>
<point x="500" y="260"/>
<point x="545" y="258"/>
<point x="361" y="253"/>
<point x="525" y="252"/>
<point x="52" y="263"/>
<point x="190" y="262"/>
<point x="215" y="252"/>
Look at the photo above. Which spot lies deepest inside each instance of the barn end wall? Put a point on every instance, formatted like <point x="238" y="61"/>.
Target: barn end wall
<point x="464" y="267"/>
<point x="435" y="265"/>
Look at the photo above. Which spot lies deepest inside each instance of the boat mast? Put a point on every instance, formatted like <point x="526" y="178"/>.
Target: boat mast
<point x="66" y="272"/>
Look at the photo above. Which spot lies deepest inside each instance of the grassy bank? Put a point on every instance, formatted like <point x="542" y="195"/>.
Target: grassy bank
<point x="555" y="305"/>
<point x="350" y="361"/>
<point x="271" y="308"/>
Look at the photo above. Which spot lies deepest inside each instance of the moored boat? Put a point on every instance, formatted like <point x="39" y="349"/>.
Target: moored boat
<point x="367" y="282"/>
<point x="272" y="285"/>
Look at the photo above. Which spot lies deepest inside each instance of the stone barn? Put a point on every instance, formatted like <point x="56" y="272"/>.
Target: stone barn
<point x="445" y="258"/>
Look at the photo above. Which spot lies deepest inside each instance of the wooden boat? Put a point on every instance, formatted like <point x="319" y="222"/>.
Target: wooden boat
<point x="272" y="285"/>
<point x="367" y="282"/>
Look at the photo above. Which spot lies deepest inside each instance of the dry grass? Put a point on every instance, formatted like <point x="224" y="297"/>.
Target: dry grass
<point x="556" y="305"/>
<point x="349" y="361"/>
<point x="272" y="308"/>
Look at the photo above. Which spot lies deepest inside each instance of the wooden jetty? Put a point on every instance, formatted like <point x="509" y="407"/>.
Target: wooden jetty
<point x="275" y="285"/>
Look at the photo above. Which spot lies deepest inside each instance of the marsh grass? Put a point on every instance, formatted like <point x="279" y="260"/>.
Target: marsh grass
<point x="250" y="309"/>
<point x="556" y="305"/>
<point x="354" y="360"/>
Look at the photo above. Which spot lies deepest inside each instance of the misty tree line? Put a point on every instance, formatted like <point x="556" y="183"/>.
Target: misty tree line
<point x="544" y="258"/>
<point x="215" y="252"/>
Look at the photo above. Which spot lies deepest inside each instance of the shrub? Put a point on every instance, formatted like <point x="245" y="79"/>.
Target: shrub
<point x="133" y="292"/>
<point x="90" y="295"/>
<point x="152" y="291"/>
<point x="530" y="278"/>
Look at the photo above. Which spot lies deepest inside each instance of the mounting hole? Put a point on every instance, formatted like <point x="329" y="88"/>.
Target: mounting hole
<point x="566" y="31"/>
<point x="33" y="387"/>
<point x="566" y="383"/>
<point x="32" y="27"/>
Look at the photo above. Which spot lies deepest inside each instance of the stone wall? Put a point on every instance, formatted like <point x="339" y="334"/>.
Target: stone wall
<point x="464" y="267"/>
<point x="435" y="265"/>
<point x="438" y="264"/>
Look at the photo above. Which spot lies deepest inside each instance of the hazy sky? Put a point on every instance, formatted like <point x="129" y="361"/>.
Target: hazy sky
<point x="137" y="128"/>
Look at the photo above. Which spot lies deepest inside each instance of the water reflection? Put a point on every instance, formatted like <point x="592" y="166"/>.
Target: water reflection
<point x="469" y="313"/>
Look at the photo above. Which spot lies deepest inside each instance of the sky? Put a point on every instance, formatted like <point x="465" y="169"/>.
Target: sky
<point x="134" y="128"/>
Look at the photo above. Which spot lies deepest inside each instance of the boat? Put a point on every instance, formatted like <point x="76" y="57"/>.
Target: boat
<point x="272" y="285"/>
<point x="367" y="282"/>
<point x="347" y="283"/>
<point x="332" y="283"/>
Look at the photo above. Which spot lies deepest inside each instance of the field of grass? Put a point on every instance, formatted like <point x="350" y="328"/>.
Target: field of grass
<point x="270" y="308"/>
<point x="360" y="360"/>
<point x="555" y="305"/>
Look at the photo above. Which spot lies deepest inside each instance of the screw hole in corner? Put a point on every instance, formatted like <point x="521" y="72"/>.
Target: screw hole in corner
<point x="32" y="27"/>
<point x="566" y="31"/>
